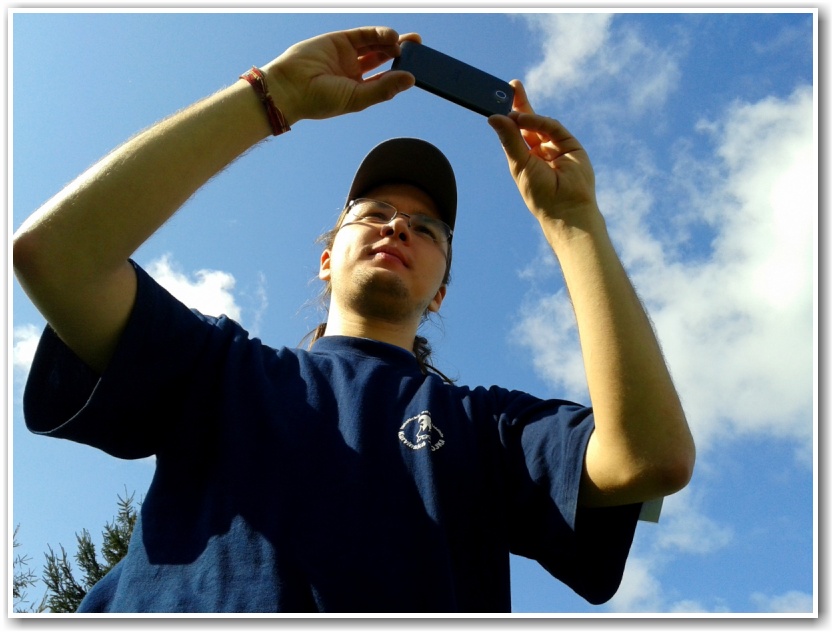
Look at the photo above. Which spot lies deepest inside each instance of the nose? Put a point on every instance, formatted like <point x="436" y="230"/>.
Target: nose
<point x="399" y="226"/>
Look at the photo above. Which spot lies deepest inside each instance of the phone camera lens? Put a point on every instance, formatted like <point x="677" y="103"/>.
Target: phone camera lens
<point x="502" y="97"/>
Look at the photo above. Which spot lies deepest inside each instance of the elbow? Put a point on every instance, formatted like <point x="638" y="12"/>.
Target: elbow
<point x="655" y="470"/>
<point x="25" y="256"/>
<point x="671" y="456"/>
<point x="673" y="472"/>
<point x="675" y="476"/>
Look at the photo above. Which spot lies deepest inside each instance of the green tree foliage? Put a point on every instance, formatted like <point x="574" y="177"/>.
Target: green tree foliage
<point x="64" y="591"/>
<point x="23" y="578"/>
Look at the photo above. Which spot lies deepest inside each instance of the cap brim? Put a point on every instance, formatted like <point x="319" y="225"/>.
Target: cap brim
<point x="412" y="161"/>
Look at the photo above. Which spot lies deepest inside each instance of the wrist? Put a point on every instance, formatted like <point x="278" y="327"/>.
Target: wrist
<point x="280" y="87"/>
<point x="574" y="228"/>
<point x="258" y="81"/>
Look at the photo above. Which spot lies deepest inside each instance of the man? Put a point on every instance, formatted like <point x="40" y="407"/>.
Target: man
<point x="345" y="478"/>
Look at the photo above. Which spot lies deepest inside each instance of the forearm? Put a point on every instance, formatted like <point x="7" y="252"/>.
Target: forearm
<point x="642" y="447"/>
<point x="71" y="256"/>
<point x="101" y="218"/>
<point x="93" y="225"/>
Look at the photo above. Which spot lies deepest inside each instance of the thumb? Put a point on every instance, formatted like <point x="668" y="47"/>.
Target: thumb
<point x="382" y="87"/>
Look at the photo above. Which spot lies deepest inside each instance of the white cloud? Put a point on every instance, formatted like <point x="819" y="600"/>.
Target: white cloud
<point x="687" y="606"/>
<point x="583" y="57"/>
<point x="687" y="530"/>
<point x="793" y="601"/>
<point x="684" y="531"/>
<point x="262" y="299"/>
<point x="640" y="589"/>
<point x="734" y="316"/>
<point x="736" y="326"/>
<point x="26" y="338"/>
<point x="211" y="291"/>
<point x="570" y="43"/>
<point x="548" y="328"/>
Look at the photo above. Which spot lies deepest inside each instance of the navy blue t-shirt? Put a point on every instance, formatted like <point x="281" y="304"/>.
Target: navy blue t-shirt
<point x="339" y="479"/>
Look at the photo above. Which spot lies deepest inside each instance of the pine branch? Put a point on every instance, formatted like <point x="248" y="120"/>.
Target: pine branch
<point x="65" y="593"/>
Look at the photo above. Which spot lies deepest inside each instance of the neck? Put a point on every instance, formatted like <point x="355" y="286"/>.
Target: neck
<point x="348" y="324"/>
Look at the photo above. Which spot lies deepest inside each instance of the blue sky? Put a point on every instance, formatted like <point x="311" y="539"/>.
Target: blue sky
<point x="702" y="130"/>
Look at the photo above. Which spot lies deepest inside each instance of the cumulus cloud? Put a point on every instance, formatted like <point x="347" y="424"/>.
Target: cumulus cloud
<point x="640" y="589"/>
<point x="571" y="44"/>
<point x="25" y="344"/>
<point x="685" y="529"/>
<point x="210" y="291"/>
<point x="213" y="292"/>
<point x="685" y="532"/>
<point x="793" y="601"/>
<point x="583" y="57"/>
<point x="262" y="303"/>
<point x="721" y="244"/>
<point x="736" y="325"/>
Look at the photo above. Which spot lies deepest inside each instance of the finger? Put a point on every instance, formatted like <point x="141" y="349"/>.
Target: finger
<point x="410" y="37"/>
<point x="521" y="99"/>
<point x="521" y="104"/>
<point x="515" y="148"/>
<point x="556" y="142"/>
<point x="547" y="130"/>
<point x="375" y="58"/>
<point x="381" y="87"/>
<point x="366" y="38"/>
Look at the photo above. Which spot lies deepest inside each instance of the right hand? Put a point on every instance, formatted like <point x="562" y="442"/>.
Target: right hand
<point x="550" y="166"/>
<point x="322" y="77"/>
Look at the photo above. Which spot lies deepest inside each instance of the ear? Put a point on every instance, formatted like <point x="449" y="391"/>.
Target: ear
<point x="324" y="272"/>
<point x="436" y="303"/>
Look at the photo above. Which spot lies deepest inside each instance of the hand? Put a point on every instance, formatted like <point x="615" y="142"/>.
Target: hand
<point x="551" y="168"/>
<point x="323" y="77"/>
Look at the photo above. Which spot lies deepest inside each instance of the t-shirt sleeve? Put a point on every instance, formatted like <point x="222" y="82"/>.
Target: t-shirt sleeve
<point x="127" y="410"/>
<point x="545" y="442"/>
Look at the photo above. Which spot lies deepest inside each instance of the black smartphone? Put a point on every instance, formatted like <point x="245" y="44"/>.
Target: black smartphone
<point x="455" y="80"/>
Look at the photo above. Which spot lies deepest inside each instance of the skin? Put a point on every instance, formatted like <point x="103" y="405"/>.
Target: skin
<point x="71" y="255"/>
<point x="642" y="447"/>
<point x="384" y="278"/>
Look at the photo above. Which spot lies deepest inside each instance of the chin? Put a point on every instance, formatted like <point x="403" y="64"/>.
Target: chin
<point x="383" y="296"/>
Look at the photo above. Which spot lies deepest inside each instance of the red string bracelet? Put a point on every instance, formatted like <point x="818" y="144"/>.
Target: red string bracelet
<point x="258" y="82"/>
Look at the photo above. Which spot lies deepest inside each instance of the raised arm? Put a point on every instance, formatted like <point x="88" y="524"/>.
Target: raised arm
<point x="642" y="447"/>
<point x="71" y="255"/>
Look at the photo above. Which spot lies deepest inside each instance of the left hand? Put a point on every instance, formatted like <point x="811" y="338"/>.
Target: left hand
<point x="551" y="168"/>
<point x="323" y="77"/>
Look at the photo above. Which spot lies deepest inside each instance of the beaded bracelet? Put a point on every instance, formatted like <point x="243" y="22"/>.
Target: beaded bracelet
<point x="258" y="82"/>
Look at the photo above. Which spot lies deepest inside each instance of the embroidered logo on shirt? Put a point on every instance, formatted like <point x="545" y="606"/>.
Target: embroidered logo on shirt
<point x="419" y="432"/>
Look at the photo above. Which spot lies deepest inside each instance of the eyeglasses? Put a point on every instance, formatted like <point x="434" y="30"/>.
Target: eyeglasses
<point x="377" y="212"/>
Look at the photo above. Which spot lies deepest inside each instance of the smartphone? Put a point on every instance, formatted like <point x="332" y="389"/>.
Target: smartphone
<point x="455" y="80"/>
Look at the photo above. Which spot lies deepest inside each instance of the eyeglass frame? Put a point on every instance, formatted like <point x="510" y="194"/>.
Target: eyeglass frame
<point x="444" y="228"/>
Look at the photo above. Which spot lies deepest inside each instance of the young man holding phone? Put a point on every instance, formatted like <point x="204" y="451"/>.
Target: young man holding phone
<point x="291" y="480"/>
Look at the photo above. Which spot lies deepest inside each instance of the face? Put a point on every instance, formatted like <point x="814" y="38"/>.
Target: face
<point x="387" y="271"/>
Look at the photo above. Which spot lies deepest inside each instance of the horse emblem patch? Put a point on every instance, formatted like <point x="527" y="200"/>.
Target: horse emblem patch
<point x="419" y="432"/>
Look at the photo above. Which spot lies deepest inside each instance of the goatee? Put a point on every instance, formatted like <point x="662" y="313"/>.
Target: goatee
<point x="383" y="298"/>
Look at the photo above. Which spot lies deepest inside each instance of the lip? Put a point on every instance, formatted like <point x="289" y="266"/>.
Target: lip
<point x="390" y="251"/>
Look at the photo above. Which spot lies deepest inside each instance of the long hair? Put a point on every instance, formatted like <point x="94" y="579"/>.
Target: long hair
<point x="421" y="347"/>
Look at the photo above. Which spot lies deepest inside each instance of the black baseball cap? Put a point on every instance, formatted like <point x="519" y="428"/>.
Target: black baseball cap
<point x="412" y="161"/>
